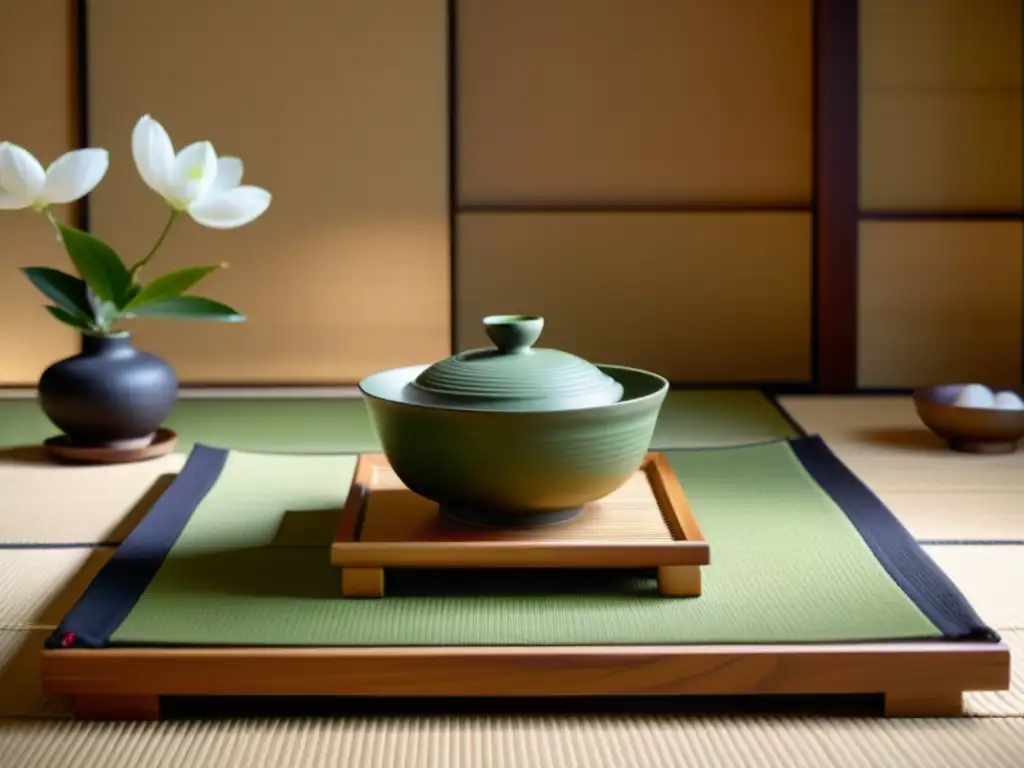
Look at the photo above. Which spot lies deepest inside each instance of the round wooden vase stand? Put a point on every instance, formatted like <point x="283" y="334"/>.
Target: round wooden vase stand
<point x="162" y="444"/>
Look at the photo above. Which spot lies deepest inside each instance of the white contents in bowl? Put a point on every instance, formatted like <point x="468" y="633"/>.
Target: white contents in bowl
<point x="1008" y="401"/>
<point x="975" y="396"/>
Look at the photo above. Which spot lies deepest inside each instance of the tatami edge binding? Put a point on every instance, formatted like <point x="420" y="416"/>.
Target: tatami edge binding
<point x="117" y="587"/>
<point x="907" y="564"/>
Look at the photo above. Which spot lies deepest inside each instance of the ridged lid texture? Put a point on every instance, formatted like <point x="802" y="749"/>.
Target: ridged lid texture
<point x="513" y="376"/>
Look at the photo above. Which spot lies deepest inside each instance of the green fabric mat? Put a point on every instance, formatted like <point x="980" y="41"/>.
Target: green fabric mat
<point x="689" y="418"/>
<point x="252" y="568"/>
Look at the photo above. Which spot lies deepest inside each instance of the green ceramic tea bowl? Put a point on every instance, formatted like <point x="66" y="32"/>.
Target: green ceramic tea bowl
<point x="514" y="436"/>
<point x="516" y="468"/>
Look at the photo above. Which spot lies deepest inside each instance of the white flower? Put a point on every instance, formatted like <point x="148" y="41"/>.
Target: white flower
<point x="25" y="184"/>
<point x="195" y="180"/>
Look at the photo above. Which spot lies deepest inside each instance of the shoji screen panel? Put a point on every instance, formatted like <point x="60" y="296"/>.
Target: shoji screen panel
<point x="941" y="104"/>
<point x="940" y="302"/>
<point x="590" y="132"/>
<point x="37" y="79"/>
<point x="624" y="101"/>
<point x="941" y="133"/>
<point x="339" y="108"/>
<point x="695" y="297"/>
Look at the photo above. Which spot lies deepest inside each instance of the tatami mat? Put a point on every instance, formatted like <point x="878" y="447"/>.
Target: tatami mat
<point x="956" y="497"/>
<point x="276" y="421"/>
<point x="851" y="415"/>
<point x="936" y="471"/>
<point x="39" y="586"/>
<point x="881" y="439"/>
<point x="522" y="742"/>
<point x="937" y="493"/>
<point x="991" y="578"/>
<point x="42" y="502"/>
<point x="959" y="516"/>
<point x="45" y="503"/>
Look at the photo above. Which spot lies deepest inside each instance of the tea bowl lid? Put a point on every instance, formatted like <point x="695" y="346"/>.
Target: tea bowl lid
<point x="514" y="375"/>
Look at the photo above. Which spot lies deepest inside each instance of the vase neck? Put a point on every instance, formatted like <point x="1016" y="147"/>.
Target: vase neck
<point x="100" y="345"/>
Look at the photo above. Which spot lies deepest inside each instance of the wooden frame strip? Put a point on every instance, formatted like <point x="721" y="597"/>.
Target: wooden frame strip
<point x="688" y="548"/>
<point x="916" y="675"/>
<point x="836" y="195"/>
<point x="351" y="513"/>
<point x="672" y="499"/>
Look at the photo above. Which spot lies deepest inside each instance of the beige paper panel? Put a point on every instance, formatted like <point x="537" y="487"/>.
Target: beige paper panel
<point x="694" y="297"/>
<point x="940" y="302"/>
<point x="338" y="108"/>
<point x="622" y="101"/>
<point x="941" y="104"/>
<point x="37" y="80"/>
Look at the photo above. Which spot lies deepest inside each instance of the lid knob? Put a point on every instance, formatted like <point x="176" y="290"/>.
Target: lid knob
<point x="513" y="334"/>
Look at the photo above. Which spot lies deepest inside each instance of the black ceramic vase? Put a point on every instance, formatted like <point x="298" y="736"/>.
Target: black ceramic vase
<point x="110" y="395"/>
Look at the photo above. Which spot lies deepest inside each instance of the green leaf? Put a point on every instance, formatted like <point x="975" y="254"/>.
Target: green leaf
<point x="98" y="264"/>
<point x="68" y="318"/>
<point x="106" y="313"/>
<point x="64" y="290"/>
<point x="189" y="308"/>
<point x="170" y="285"/>
<point x="95" y="303"/>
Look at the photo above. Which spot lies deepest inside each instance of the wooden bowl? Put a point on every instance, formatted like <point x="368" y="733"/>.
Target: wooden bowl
<point x="969" y="430"/>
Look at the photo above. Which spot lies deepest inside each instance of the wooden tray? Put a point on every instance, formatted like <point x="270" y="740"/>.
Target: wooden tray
<point x="647" y="523"/>
<point x="916" y="679"/>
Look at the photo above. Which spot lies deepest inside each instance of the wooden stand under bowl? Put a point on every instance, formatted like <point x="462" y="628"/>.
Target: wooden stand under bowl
<point x="61" y="449"/>
<point x="647" y="523"/>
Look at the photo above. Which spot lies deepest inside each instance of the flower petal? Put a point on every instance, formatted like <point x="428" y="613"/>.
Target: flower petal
<point x="75" y="174"/>
<point x="21" y="174"/>
<point x="153" y="154"/>
<point x="193" y="173"/>
<point x="229" y="173"/>
<point x="233" y="208"/>
<point x="9" y="202"/>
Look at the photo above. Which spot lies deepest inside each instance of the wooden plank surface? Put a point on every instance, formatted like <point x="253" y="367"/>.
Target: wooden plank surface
<point x="532" y="671"/>
<point x="696" y="288"/>
<point x="940" y="104"/>
<point x="575" y="101"/>
<point x="350" y="137"/>
<point x="940" y="302"/>
<point x="37" y="75"/>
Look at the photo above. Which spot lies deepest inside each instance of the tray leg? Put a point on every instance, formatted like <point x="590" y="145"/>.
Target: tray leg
<point x="103" y="707"/>
<point x="679" y="580"/>
<point x="362" y="582"/>
<point x="924" y="703"/>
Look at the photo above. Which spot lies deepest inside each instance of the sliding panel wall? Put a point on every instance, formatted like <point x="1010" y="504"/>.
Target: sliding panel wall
<point x="639" y="174"/>
<point x="941" y="192"/>
<point x="37" y="80"/>
<point x="339" y="109"/>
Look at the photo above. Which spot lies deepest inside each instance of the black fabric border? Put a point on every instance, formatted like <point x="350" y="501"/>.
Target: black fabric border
<point x="120" y="583"/>
<point x="904" y="560"/>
